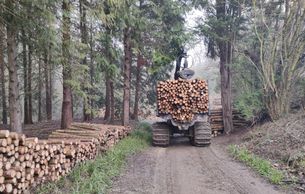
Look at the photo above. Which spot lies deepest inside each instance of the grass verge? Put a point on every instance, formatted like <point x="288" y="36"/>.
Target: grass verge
<point x="262" y="166"/>
<point x="96" y="176"/>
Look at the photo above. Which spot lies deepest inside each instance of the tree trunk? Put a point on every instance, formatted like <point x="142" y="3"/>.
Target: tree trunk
<point x="127" y="75"/>
<point x="91" y="73"/>
<point x="112" y="108"/>
<point x="66" y="116"/>
<point x="225" y="52"/>
<point x="84" y="40"/>
<point x="14" y="101"/>
<point x="47" y="85"/>
<point x="39" y="89"/>
<point x="50" y="70"/>
<point x="226" y="95"/>
<point x="2" y="74"/>
<point x="107" y="100"/>
<point x="25" y="79"/>
<point x="140" y="63"/>
<point x="30" y="105"/>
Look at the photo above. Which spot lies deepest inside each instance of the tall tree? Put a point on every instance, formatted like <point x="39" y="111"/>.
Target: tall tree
<point x="127" y="73"/>
<point x="47" y="82"/>
<point x="107" y="99"/>
<point x="225" y="56"/>
<point x="279" y="31"/>
<point x="25" y="77"/>
<point x="2" y="73"/>
<point x="29" y="87"/>
<point x="66" y="116"/>
<point x="140" y="63"/>
<point x="26" y="80"/>
<point x="84" y="41"/>
<point x="220" y="28"/>
<point x="39" y="88"/>
<point x="110" y="72"/>
<point x="14" y="99"/>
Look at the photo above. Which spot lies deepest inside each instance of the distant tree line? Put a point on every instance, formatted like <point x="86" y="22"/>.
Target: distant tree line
<point x="111" y="53"/>
<point x="123" y="47"/>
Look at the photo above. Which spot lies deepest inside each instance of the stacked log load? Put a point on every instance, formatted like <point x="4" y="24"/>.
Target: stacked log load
<point x="182" y="99"/>
<point x="216" y="120"/>
<point x="27" y="162"/>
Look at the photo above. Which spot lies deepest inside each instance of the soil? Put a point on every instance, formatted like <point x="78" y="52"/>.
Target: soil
<point x="182" y="168"/>
<point x="282" y="143"/>
<point x="281" y="140"/>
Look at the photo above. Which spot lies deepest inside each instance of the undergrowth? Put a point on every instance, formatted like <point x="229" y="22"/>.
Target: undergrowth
<point x="96" y="176"/>
<point x="262" y="166"/>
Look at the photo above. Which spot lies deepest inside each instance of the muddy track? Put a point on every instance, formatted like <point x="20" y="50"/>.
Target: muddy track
<point x="184" y="169"/>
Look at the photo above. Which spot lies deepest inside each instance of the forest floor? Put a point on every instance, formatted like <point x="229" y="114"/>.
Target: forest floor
<point x="182" y="168"/>
<point x="283" y="144"/>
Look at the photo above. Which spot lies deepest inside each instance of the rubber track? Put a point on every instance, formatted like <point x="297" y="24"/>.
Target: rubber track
<point x="202" y="134"/>
<point x="161" y="135"/>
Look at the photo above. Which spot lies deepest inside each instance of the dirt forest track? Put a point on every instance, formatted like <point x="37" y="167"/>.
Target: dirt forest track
<point x="184" y="169"/>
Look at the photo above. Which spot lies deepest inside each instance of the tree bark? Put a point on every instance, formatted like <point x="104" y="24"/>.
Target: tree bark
<point x="47" y="85"/>
<point x="112" y="108"/>
<point x="2" y="74"/>
<point x="127" y="75"/>
<point x="225" y="52"/>
<point x="39" y="90"/>
<point x="25" y="79"/>
<point x="84" y="40"/>
<point x="91" y="72"/>
<point x="14" y="100"/>
<point x="107" y="100"/>
<point x="66" y="116"/>
<point x="140" y="63"/>
<point x="30" y="105"/>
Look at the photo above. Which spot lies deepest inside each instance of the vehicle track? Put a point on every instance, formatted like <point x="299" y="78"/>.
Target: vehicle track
<point x="185" y="169"/>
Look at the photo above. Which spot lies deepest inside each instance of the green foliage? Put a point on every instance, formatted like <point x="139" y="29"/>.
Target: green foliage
<point x="96" y="176"/>
<point x="246" y="87"/>
<point x="216" y="29"/>
<point x="158" y="34"/>
<point x="275" y="50"/>
<point x="263" y="167"/>
<point x="159" y="60"/>
<point x="249" y="103"/>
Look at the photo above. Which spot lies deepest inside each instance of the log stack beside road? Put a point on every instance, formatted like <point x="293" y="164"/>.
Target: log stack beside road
<point x="216" y="120"/>
<point x="27" y="162"/>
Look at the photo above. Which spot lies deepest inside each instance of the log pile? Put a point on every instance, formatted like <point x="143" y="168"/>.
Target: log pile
<point x="182" y="99"/>
<point x="28" y="162"/>
<point x="216" y="120"/>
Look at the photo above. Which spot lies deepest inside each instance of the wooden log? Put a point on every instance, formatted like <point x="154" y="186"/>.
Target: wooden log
<point x="2" y="188"/>
<point x="9" y="173"/>
<point x="8" y="188"/>
<point x="4" y="133"/>
<point x="3" y="143"/>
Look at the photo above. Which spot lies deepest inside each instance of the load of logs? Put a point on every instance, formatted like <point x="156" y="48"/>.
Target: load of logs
<point x="182" y="99"/>
<point x="216" y="120"/>
<point x="27" y="162"/>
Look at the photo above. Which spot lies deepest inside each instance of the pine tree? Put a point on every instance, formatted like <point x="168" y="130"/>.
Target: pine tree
<point x="14" y="98"/>
<point x="2" y="73"/>
<point x="66" y="117"/>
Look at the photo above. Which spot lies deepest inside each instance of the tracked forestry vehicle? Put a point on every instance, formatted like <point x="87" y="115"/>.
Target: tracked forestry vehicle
<point x="183" y="105"/>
